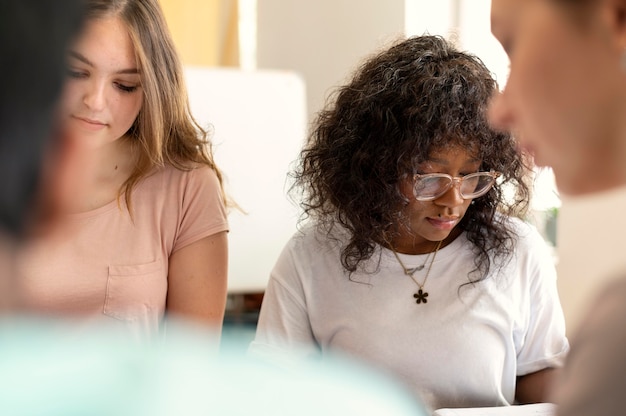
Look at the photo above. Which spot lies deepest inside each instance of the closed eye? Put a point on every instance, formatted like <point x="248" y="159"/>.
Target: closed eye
<point x="72" y="73"/>
<point x="126" y="88"/>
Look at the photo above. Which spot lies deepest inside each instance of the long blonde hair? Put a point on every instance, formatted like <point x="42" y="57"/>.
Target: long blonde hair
<point x="165" y="131"/>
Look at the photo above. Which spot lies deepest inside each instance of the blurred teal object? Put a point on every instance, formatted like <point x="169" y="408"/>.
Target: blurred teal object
<point x="51" y="368"/>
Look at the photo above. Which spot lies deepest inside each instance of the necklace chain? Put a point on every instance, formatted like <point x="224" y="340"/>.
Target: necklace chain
<point x="420" y="295"/>
<point x="410" y="271"/>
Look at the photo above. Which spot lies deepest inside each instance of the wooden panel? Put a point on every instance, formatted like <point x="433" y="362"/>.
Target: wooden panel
<point x="195" y="27"/>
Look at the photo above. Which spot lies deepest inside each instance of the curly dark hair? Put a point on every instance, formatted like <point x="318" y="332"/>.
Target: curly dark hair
<point x="420" y="95"/>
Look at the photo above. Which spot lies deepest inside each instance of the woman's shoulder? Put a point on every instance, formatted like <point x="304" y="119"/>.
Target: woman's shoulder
<point x="520" y="228"/>
<point x="312" y="237"/>
<point x="192" y="170"/>
<point x="528" y="240"/>
<point x="168" y="175"/>
<point x="512" y="221"/>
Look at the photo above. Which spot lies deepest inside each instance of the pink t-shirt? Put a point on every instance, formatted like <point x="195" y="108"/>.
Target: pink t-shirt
<point x="115" y="267"/>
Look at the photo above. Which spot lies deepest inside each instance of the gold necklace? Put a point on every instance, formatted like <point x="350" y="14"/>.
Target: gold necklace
<point x="421" y="295"/>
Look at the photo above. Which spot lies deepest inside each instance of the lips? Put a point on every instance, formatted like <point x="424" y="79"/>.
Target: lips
<point x="89" y="124"/>
<point x="443" y="223"/>
<point x="90" y="121"/>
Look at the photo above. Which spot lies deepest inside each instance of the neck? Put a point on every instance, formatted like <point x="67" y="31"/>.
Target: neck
<point x="110" y="166"/>
<point x="410" y="244"/>
<point x="113" y="162"/>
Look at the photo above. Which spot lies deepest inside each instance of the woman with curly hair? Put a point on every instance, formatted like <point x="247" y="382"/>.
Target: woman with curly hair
<point x="414" y="259"/>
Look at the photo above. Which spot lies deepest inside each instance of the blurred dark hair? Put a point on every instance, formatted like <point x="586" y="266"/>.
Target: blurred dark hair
<point x="420" y="95"/>
<point x="34" y="35"/>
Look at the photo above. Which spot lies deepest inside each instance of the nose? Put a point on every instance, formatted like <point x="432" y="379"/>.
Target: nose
<point x="499" y="114"/>
<point x="94" y="96"/>
<point x="452" y="197"/>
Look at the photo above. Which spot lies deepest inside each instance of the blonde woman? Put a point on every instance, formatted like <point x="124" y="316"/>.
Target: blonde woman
<point x="149" y="235"/>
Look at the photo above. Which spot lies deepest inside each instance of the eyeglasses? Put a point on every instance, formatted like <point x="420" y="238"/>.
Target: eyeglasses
<point x="433" y="185"/>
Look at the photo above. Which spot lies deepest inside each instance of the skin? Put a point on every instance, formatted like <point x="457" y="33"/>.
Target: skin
<point x="565" y="93"/>
<point x="100" y="103"/>
<point x="433" y="221"/>
<point x="102" y="99"/>
<point x="535" y="387"/>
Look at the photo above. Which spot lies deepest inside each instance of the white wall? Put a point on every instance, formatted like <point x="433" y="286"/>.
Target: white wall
<point x="475" y="35"/>
<point x="324" y="40"/>
<point x="258" y="120"/>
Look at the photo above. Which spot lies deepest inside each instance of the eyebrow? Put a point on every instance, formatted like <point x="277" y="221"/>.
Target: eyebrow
<point x="86" y="61"/>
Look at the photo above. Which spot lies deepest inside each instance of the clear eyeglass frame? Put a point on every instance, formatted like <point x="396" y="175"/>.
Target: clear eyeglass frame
<point x="430" y="186"/>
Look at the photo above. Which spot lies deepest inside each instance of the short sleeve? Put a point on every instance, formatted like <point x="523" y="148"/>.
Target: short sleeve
<point x="544" y="343"/>
<point x="284" y="330"/>
<point x="202" y="207"/>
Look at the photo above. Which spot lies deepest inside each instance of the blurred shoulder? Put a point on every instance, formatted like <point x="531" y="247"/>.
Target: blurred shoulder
<point x="196" y="174"/>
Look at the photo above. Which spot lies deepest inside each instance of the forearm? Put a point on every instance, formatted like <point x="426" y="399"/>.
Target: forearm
<point x="535" y="387"/>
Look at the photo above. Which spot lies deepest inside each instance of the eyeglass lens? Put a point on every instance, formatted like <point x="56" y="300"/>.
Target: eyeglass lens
<point x="471" y="186"/>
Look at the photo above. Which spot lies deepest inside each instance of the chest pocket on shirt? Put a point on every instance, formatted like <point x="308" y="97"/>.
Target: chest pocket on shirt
<point x="136" y="292"/>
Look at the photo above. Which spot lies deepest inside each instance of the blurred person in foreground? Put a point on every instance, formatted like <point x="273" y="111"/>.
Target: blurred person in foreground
<point x="565" y="99"/>
<point x="39" y="166"/>
<point x="46" y="368"/>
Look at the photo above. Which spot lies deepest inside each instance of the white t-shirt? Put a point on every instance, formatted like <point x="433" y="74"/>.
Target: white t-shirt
<point x="464" y="348"/>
